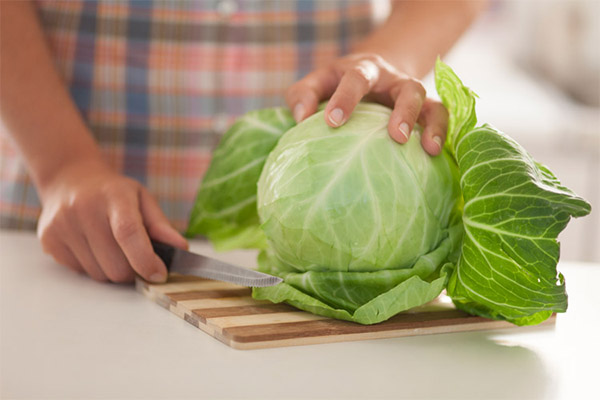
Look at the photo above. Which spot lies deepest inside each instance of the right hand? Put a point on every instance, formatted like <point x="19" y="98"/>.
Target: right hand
<point x="349" y="79"/>
<point x="99" y="222"/>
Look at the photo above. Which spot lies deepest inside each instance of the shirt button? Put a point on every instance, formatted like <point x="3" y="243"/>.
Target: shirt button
<point x="226" y="8"/>
<point x="220" y="123"/>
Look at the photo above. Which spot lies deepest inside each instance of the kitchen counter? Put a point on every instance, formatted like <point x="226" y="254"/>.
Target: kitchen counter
<point x="65" y="336"/>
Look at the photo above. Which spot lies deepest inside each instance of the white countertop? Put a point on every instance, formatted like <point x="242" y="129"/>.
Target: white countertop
<point x="66" y="336"/>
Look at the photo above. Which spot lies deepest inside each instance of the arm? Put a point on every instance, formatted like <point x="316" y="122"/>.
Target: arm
<point x="416" y="32"/>
<point x="36" y="109"/>
<point x="385" y="67"/>
<point x="93" y="219"/>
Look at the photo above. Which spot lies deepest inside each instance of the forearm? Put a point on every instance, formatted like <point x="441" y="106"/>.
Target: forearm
<point x="35" y="107"/>
<point x="416" y="32"/>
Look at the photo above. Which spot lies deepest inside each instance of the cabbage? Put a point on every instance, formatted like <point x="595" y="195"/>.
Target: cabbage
<point x="225" y="208"/>
<point x="352" y="200"/>
<point x="513" y="212"/>
<point x="361" y="228"/>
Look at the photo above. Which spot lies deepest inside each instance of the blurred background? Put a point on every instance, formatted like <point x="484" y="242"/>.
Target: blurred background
<point x="536" y="68"/>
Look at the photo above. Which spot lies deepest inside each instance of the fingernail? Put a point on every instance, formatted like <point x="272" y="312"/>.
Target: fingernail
<point x="438" y="141"/>
<point x="157" y="277"/>
<point x="336" y="117"/>
<point x="403" y="128"/>
<point x="299" y="112"/>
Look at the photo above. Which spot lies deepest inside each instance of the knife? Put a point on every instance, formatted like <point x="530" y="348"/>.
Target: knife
<point x="187" y="263"/>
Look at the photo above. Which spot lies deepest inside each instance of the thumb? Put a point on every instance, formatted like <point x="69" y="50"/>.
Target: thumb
<point x="157" y="224"/>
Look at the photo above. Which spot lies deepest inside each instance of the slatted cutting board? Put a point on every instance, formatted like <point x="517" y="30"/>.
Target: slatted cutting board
<point x="229" y="313"/>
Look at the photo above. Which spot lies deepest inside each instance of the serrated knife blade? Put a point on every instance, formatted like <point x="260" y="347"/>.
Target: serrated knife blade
<point x="188" y="263"/>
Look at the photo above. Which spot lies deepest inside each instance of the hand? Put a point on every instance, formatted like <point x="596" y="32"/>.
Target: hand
<point x="99" y="222"/>
<point x="347" y="80"/>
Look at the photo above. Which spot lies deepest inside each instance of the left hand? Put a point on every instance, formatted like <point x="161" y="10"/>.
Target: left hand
<point x="348" y="79"/>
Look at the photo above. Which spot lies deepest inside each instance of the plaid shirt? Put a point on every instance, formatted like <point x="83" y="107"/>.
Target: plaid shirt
<point x="158" y="81"/>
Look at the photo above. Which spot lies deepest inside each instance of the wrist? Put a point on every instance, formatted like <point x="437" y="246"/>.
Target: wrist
<point x="63" y="171"/>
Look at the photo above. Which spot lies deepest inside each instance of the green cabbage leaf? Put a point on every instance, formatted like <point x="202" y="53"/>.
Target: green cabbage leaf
<point x="225" y="206"/>
<point x="513" y="212"/>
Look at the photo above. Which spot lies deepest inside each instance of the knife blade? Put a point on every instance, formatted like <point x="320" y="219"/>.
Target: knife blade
<point x="188" y="263"/>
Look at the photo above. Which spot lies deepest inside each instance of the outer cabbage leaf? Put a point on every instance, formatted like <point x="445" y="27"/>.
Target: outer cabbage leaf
<point x="363" y="297"/>
<point x="514" y="209"/>
<point x="225" y="207"/>
<point x="463" y="117"/>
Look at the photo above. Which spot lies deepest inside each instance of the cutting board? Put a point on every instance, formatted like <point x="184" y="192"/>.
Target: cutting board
<point x="229" y="313"/>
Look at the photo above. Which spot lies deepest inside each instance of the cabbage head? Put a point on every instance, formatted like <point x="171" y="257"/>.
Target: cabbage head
<point x="361" y="228"/>
<point x="350" y="199"/>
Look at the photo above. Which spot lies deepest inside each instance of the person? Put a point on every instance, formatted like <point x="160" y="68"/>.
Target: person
<point x="110" y="109"/>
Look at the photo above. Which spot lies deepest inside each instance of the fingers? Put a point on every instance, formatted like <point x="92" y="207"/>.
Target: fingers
<point x="303" y="97"/>
<point x="68" y="246"/>
<point x="60" y="252"/>
<point x="80" y="248"/>
<point x="106" y="250"/>
<point x="97" y="222"/>
<point x="355" y="83"/>
<point x="130" y="233"/>
<point x="157" y="224"/>
<point x="108" y="239"/>
<point x="64" y="256"/>
<point x="350" y="79"/>
<point x="409" y="96"/>
<point x="434" y="118"/>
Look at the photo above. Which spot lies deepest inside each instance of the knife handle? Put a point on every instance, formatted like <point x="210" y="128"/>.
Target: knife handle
<point x="164" y="251"/>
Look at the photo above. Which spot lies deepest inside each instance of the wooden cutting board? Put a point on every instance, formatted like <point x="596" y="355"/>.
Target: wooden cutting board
<point x="229" y="313"/>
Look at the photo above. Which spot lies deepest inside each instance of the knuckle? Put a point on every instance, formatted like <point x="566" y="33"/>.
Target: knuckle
<point x="363" y="75"/>
<point x="47" y="235"/>
<point x="154" y="228"/>
<point x="426" y="110"/>
<point x="409" y="112"/>
<point x="310" y="96"/>
<point x="443" y="112"/>
<point x="81" y="205"/>
<point x="376" y="58"/>
<point x="116" y="189"/>
<point x="416" y="86"/>
<point x="435" y="112"/>
<point x="395" y="89"/>
<point x="371" y="57"/>
<point x="293" y="92"/>
<point x="63" y="221"/>
<point x="307" y="84"/>
<point x="47" y="244"/>
<point x="124" y="228"/>
<point x="68" y="208"/>
<point x="109" y="189"/>
<point x="47" y="241"/>
<point x="43" y="231"/>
